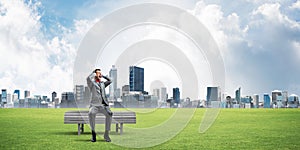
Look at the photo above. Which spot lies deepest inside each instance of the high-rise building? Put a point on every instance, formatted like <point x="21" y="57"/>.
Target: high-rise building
<point x="163" y="94"/>
<point x="267" y="101"/>
<point x="87" y="94"/>
<point x="238" y="95"/>
<point x="277" y="99"/>
<point x="4" y="96"/>
<point x="284" y="98"/>
<point x="176" y="95"/>
<point x="9" y="98"/>
<point x="255" y="100"/>
<point x="54" y="95"/>
<point x="213" y="95"/>
<point x="26" y="94"/>
<point x="125" y="90"/>
<point x="113" y="73"/>
<point x="67" y="100"/>
<point x="136" y="78"/>
<point x="156" y="92"/>
<point x="79" y="95"/>
<point x="293" y="101"/>
<point x="15" y="97"/>
<point x="18" y="93"/>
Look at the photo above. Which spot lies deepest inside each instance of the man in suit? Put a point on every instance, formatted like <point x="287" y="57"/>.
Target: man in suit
<point x="99" y="103"/>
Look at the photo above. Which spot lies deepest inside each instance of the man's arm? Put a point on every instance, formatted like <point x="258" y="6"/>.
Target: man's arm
<point x="108" y="82"/>
<point x="91" y="80"/>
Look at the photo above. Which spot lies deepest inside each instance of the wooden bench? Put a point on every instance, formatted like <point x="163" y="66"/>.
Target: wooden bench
<point x="80" y="117"/>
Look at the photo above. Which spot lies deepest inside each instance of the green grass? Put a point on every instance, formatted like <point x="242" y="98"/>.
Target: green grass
<point x="233" y="129"/>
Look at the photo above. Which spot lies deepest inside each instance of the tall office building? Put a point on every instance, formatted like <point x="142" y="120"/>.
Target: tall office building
<point x="176" y="95"/>
<point x="67" y="100"/>
<point x="54" y="95"/>
<point x="156" y="92"/>
<point x="3" y="96"/>
<point x="9" y="98"/>
<point x="163" y="94"/>
<point x="213" y="96"/>
<point x="125" y="90"/>
<point x="267" y="101"/>
<point x="136" y="78"/>
<point x="238" y="95"/>
<point x="26" y="94"/>
<point x="113" y="74"/>
<point x="79" y="94"/>
<point x="87" y="94"/>
<point x="15" y="97"/>
<point x="18" y="93"/>
<point x="285" y="97"/>
<point x="255" y="100"/>
<point x="293" y="101"/>
<point x="277" y="98"/>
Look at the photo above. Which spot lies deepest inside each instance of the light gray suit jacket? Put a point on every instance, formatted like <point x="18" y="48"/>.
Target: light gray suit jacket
<point x="98" y="90"/>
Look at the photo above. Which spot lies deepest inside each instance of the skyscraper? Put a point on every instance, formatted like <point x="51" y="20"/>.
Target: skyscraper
<point x="213" y="95"/>
<point x="68" y="100"/>
<point x="238" y="95"/>
<point x="125" y="90"/>
<point x="163" y="94"/>
<point x="136" y="78"/>
<point x="79" y="95"/>
<point x="54" y="95"/>
<point x="255" y="100"/>
<point x="176" y="95"/>
<point x="4" y="96"/>
<point x="26" y="94"/>
<point x="293" y="101"/>
<point x="18" y="93"/>
<point x="87" y="95"/>
<point x="277" y="98"/>
<point x="113" y="73"/>
<point x="156" y="92"/>
<point x="15" y="97"/>
<point x="267" y="100"/>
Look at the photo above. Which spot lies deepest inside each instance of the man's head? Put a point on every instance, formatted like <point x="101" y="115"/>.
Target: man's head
<point x="98" y="73"/>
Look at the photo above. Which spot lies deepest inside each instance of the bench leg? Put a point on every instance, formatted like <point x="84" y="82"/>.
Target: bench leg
<point x="121" y="128"/>
<point x="82" y="128"/>
<point x="117" y="127"/>
<point x="78" y="128"/>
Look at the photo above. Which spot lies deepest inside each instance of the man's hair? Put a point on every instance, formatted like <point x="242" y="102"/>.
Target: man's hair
<point x="97" y="70"/>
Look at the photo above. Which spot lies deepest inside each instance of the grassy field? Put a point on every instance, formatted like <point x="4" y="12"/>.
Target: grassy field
<point x="233" y="129"/>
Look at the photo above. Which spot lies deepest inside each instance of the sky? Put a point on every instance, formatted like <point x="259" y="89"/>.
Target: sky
<point x="259" y="41"/>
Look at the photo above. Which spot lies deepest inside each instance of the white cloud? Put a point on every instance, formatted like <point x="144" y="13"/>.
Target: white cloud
<point x="296" y="5"/>
<point x="30" y="61"/>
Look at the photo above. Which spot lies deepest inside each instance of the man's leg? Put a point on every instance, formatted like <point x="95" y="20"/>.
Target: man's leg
<point x="92" y="116"/>
<point x="108" y="118"/>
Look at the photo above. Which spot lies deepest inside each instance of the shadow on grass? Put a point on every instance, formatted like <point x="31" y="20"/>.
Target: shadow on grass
<point x="84" y="133"/>
<point x="89" y="140"/>
<point x="71" y="133"/>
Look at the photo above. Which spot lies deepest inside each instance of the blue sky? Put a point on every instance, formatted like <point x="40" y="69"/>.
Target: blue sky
<point x="259" y="41"/>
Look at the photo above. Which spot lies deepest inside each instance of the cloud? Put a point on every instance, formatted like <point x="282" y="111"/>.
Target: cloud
<point x="259" y="44"/>
<point x="296" y="5"/>
<point x="29" y="59"/>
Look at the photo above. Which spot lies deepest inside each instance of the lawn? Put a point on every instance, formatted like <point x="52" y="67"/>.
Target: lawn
<point x="233" y="129"/>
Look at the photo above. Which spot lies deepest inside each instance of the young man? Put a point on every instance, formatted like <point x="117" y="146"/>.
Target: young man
<point x="99" y="103"/>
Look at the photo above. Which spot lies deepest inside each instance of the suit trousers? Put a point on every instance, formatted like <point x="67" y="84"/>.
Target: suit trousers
<point x="100" y="109"/>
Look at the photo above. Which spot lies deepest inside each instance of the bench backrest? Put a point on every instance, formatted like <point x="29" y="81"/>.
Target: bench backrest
<point x="81" y="116"/>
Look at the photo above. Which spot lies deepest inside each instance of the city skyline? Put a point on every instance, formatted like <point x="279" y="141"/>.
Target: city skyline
<point x="258" y="40"/>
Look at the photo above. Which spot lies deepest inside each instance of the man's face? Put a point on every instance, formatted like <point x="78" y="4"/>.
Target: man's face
<point x="98" y="74"/>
